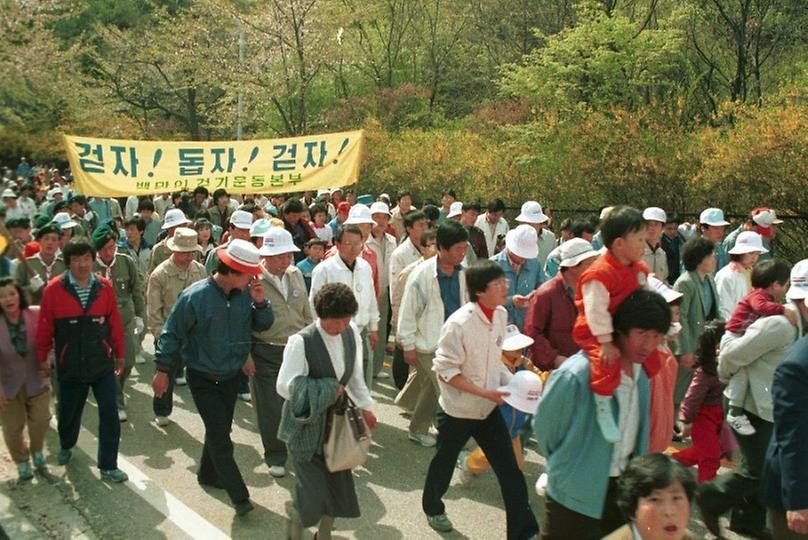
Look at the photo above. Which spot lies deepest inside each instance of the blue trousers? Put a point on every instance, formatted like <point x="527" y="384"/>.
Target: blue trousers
<point x="72" y="397"/>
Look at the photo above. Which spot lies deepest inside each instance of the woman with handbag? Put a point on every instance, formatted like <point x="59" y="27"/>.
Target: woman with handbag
<point x="326" y="416"/>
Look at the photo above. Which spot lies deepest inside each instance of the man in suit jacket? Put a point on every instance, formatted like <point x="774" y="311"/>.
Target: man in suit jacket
<point x="785" y="472"/>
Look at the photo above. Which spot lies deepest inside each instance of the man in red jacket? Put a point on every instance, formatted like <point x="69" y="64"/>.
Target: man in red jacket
<point x="80" y="313"/>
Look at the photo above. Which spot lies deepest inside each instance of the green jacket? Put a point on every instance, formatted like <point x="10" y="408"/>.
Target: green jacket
<point x="129" y="288"/>
<point x="693" y="313"/>
<point x="303" y="417"/>
<point x="22" y="276"/>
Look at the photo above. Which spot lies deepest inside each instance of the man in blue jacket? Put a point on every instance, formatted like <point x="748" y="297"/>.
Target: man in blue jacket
<point x="210" y="328"/>
<point x="785" y="472"/>
<point x="582" y="467"/>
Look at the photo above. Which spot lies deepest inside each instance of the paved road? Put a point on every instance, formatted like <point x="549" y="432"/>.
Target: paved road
<point x="163" y="500"/>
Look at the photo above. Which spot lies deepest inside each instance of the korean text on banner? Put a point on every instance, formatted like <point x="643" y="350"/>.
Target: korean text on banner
<point x="117" y="168"/>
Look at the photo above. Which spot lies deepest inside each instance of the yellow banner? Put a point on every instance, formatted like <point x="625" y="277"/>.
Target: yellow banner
<point x="118" y="168"/>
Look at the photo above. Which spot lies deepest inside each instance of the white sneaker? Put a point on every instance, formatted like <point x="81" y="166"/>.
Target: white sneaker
<point x="162" y="421"/>
<point x="245" y="397"/>
<point x="383" y="375"/>
<point x="541" y="485"/>
<point x="278" y="471"/>
<point x="466" y="476"/>
<point x="740" y="424"/>
<point x="423" y="439"/>
<point x="180" y="381"/>
<point x="122" y="417"/>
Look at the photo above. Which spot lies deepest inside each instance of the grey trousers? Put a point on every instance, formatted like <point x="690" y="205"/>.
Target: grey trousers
<point x="381" y="346"/>
<point x="268" y="404"/>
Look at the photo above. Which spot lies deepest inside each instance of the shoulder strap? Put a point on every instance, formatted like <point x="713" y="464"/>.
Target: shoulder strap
<point x="348" y="344"/>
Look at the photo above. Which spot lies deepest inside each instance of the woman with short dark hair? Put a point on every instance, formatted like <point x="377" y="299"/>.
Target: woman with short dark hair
<point x="321" y="363"/>
<point x="655" y="493"/>
<point x="24" y="392"/>
<point x="700" y="305"/>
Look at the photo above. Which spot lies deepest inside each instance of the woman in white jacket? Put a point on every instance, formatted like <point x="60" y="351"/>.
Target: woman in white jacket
<point x="733" y="281"/>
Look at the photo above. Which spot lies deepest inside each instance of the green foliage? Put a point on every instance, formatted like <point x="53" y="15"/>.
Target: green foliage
<point x="599" y="63"/>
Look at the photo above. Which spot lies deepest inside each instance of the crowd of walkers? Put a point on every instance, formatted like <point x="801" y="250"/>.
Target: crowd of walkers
<point x="631" y="347"/>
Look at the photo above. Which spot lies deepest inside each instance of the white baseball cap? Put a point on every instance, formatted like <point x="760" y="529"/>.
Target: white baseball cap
<point x="523" y="242"/>
<point x="524" y="391"/>
<point x="515" y="340"/>
<point x="659" y="287"/>
<point x="359" y="213"/>
<point x="455" y="209"/>
<point x="766" y="217"/>
<point x="748" y="242"/>
<point x="64" y="221"/>
<point x="241" y="219"/>
<point x="653" y="213"/>
<point x="575" y="250"/>
<point x="713" y="217"/>
<point x="379" y="208"/>
<point x="277" y="241"/>
<point x="240" y="255"/>
<point x="323" y="191"/>
<point x="174" y="218"/>
<point x="532" y="213"/>
<point x="799" y="281"/>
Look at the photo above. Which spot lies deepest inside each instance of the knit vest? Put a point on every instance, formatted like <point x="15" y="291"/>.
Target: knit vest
<point x="620" y="280"/>
<point x="317" y="356"/>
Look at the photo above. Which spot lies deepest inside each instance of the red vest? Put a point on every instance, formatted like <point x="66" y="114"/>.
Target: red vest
<point x="620" y="280"/>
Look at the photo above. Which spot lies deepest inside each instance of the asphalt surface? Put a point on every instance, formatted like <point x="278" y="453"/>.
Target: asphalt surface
<point x="163" y="499"/>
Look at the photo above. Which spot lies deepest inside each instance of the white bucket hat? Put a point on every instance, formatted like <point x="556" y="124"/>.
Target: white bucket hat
<point x="277" y="241"/>
<point x="748" y="242"/>
<point x="64" y="221"/>
<point x="575" y="250"/>
<point x="241" y="219"/>
<point x="532" y="213"/>
<point x="455" y="209"/>
<point x="260" y="227"/>
<point x="379" y="208"/>
<point x="524" y="391"/>
<point x="515" y="340"/>
<point x="184" y="241"/>
<point x="359" y="213"/>
<point x="9" y="194"/>
<point x="174" y="218"/>
<point x="659" y="287"/>
<point x="799" y="281"/>
<point x="654" y="213"/>
<point x="241" y="256"/>
<point x="523" y="242"/>
<point x="713" y="217"/>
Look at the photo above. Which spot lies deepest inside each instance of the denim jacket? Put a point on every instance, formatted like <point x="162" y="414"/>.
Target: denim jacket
<point x="211" y="332"/>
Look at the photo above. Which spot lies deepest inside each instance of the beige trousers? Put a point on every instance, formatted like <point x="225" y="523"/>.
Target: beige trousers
<point x="19" y="411"/>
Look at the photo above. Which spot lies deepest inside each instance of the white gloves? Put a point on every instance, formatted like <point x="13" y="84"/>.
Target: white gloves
<point x="139" y="326"/>
<point x="36" y="283"/>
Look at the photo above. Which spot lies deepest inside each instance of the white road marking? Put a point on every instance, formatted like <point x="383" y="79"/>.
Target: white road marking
<point x="147" y="489"/>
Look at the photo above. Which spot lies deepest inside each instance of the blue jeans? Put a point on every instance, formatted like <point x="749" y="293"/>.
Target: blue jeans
<point x="72" y="397"/>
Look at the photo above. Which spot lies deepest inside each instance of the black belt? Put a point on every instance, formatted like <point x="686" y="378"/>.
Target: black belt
<point x="213" y="377"/>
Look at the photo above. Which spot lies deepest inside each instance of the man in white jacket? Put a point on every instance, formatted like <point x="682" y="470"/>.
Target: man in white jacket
<point x="435" y="289"/>
<point x="348" y="268"/>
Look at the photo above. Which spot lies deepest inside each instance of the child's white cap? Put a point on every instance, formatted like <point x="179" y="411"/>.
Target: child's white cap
<point x="515" y="340"/>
